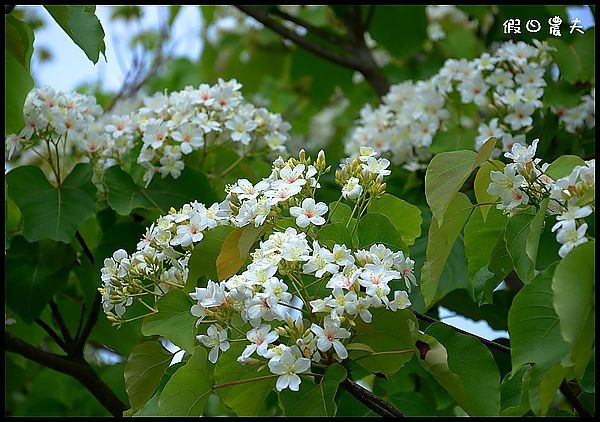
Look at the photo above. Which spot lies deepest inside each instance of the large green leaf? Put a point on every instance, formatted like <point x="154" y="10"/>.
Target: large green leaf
<point x="522" y="236"/>
<point x="462" y="43"/>
<point x="454" y="139"/>
<point x="389" y="340"/>
<point x="124" y="195"/>
<point x="514" y="394"/>
<point x="49" y="212"/>
<point x="334" y="233"/>
<point x="481" y="237"/>
<point x="339" y="212"/>
<point x="447" y="172"/>
<point x="173" y="320"/>
<point x="563" y="165"/>
<point x="81" y="24"/>
<point x="470" y="374"/>
<point x="18" y="47"/>
<point x="204" y="256"/>
<point x="533" y="325"/>
<point x="377" y="228"/>
<point x="402" y="30"/>
<point x="34" y="272"/>
<point x="404" y="216"/>
<point x="315" y="398"/>
<point x="440" y="243"/>
<point x="143" y="370"/>
<point x="543" y="385"/>
<point x="576" y="61"/>
<point x="244" y="399"/>
<point x="188" y="390"/>
<point x="573" y="290"/>
<point x="481" y="184"/>
<point x="487" y="278"/>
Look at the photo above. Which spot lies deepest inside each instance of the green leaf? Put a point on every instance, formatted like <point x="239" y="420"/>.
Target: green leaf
<point x="188" y="390"/>
<point x="522" y="234"/>
<point x="339" y="213"/>
<point x="314" y="398"/>
<point x="18" y="47"/>
<point x="533" y="325"/>
<point x="204" y="256"/>
<point x="400" y="29"/>
<point x="489" y="277"/>
<point x="173" y="320"/>
<point x="472" y="364"/>
<point x="481" y="184"/>
<point x="243" y="399"/>
<point x="404" y="216"/>
<point x="543" y="385"/>
<point x="576" y="61"/>
<point x="81" y="24"/>
<point x="389" y="335"/>
<point x="573" y="289"/>
<point x="481" y="238"/>
<point x="563" y="165"/>
<point x="455" y="139"/>
<point x="34" y="272"/>
<point x="124" y="195"/>
<point x="446" y="174"/>
<point x="49" y="212"/>
<point x="229" y="260"/>
<point x="514" y="394"/>
<point x="375" y="228"/>
<point x="143" y="370"/>
<point x="334" y="233"/>
<point x="461" y="43"/>
<point x="441" y="239"/>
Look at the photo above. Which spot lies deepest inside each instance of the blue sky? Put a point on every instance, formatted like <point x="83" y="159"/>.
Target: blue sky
<point x="70" y="67"/>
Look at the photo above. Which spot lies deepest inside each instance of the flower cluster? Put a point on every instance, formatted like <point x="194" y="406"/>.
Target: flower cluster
<point x="297" y="301"/>
<point x="170" y="127"/>
<point x="56" y="123"/>
<point x="582" y="116"/>
<point x="506" y="87"/>
<point x="571" y="198"/>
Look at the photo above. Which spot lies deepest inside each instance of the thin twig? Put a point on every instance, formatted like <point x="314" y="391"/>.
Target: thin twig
<point x="51" y="333"/>
<point x="61" y="323"/>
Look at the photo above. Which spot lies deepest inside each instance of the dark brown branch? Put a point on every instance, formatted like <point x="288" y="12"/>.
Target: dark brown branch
<point x="489" y="343"/>
<point x="357" y="56"/>
<point x="573" y="400"/>
<point x="564" y="387"/>
<point x="64" y="331"/>
<point x="315" y="30"/>
<point x="78" y="369"/>
<point x="93" y="317"/>
<point x="298" y="39"/>
<point x="51" y="333"/>
<point x="369" y="17"/>
<point x="373" y="402"/>
<point x="86" y="250"/>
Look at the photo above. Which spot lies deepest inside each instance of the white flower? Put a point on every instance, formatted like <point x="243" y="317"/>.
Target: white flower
<point x="570" y="236"/>
<point x="287" y="366"/>
<point x="377" y="166"/>
<point x="520" y="116"/>
<point x="522" y="154"/>
<point x="573" y="212"/>
<point x="190" y="233"/>
<point x="190" y="136"/>
<point x="400" y="301"/>
<point x="321" y="261"/>
<point x="330" y="335"/>
<point x="216" y="339"/>
<point x="352" y="189"/>
<point x="260" y="338"/>
<point x="309" y="213"/>
<point x="246" y="190"/>
<point x="342" y="255"/>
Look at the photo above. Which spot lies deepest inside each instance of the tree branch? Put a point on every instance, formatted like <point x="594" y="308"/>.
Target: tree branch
<point x="78" y="369"/>
<point x="564" y="387"/>
<point x="61" y="323"/>
<point x="51" y="333"/>
<point x="298" y="39"/>
<point x="373" y="402"/>
<point x="315" y="30"/>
